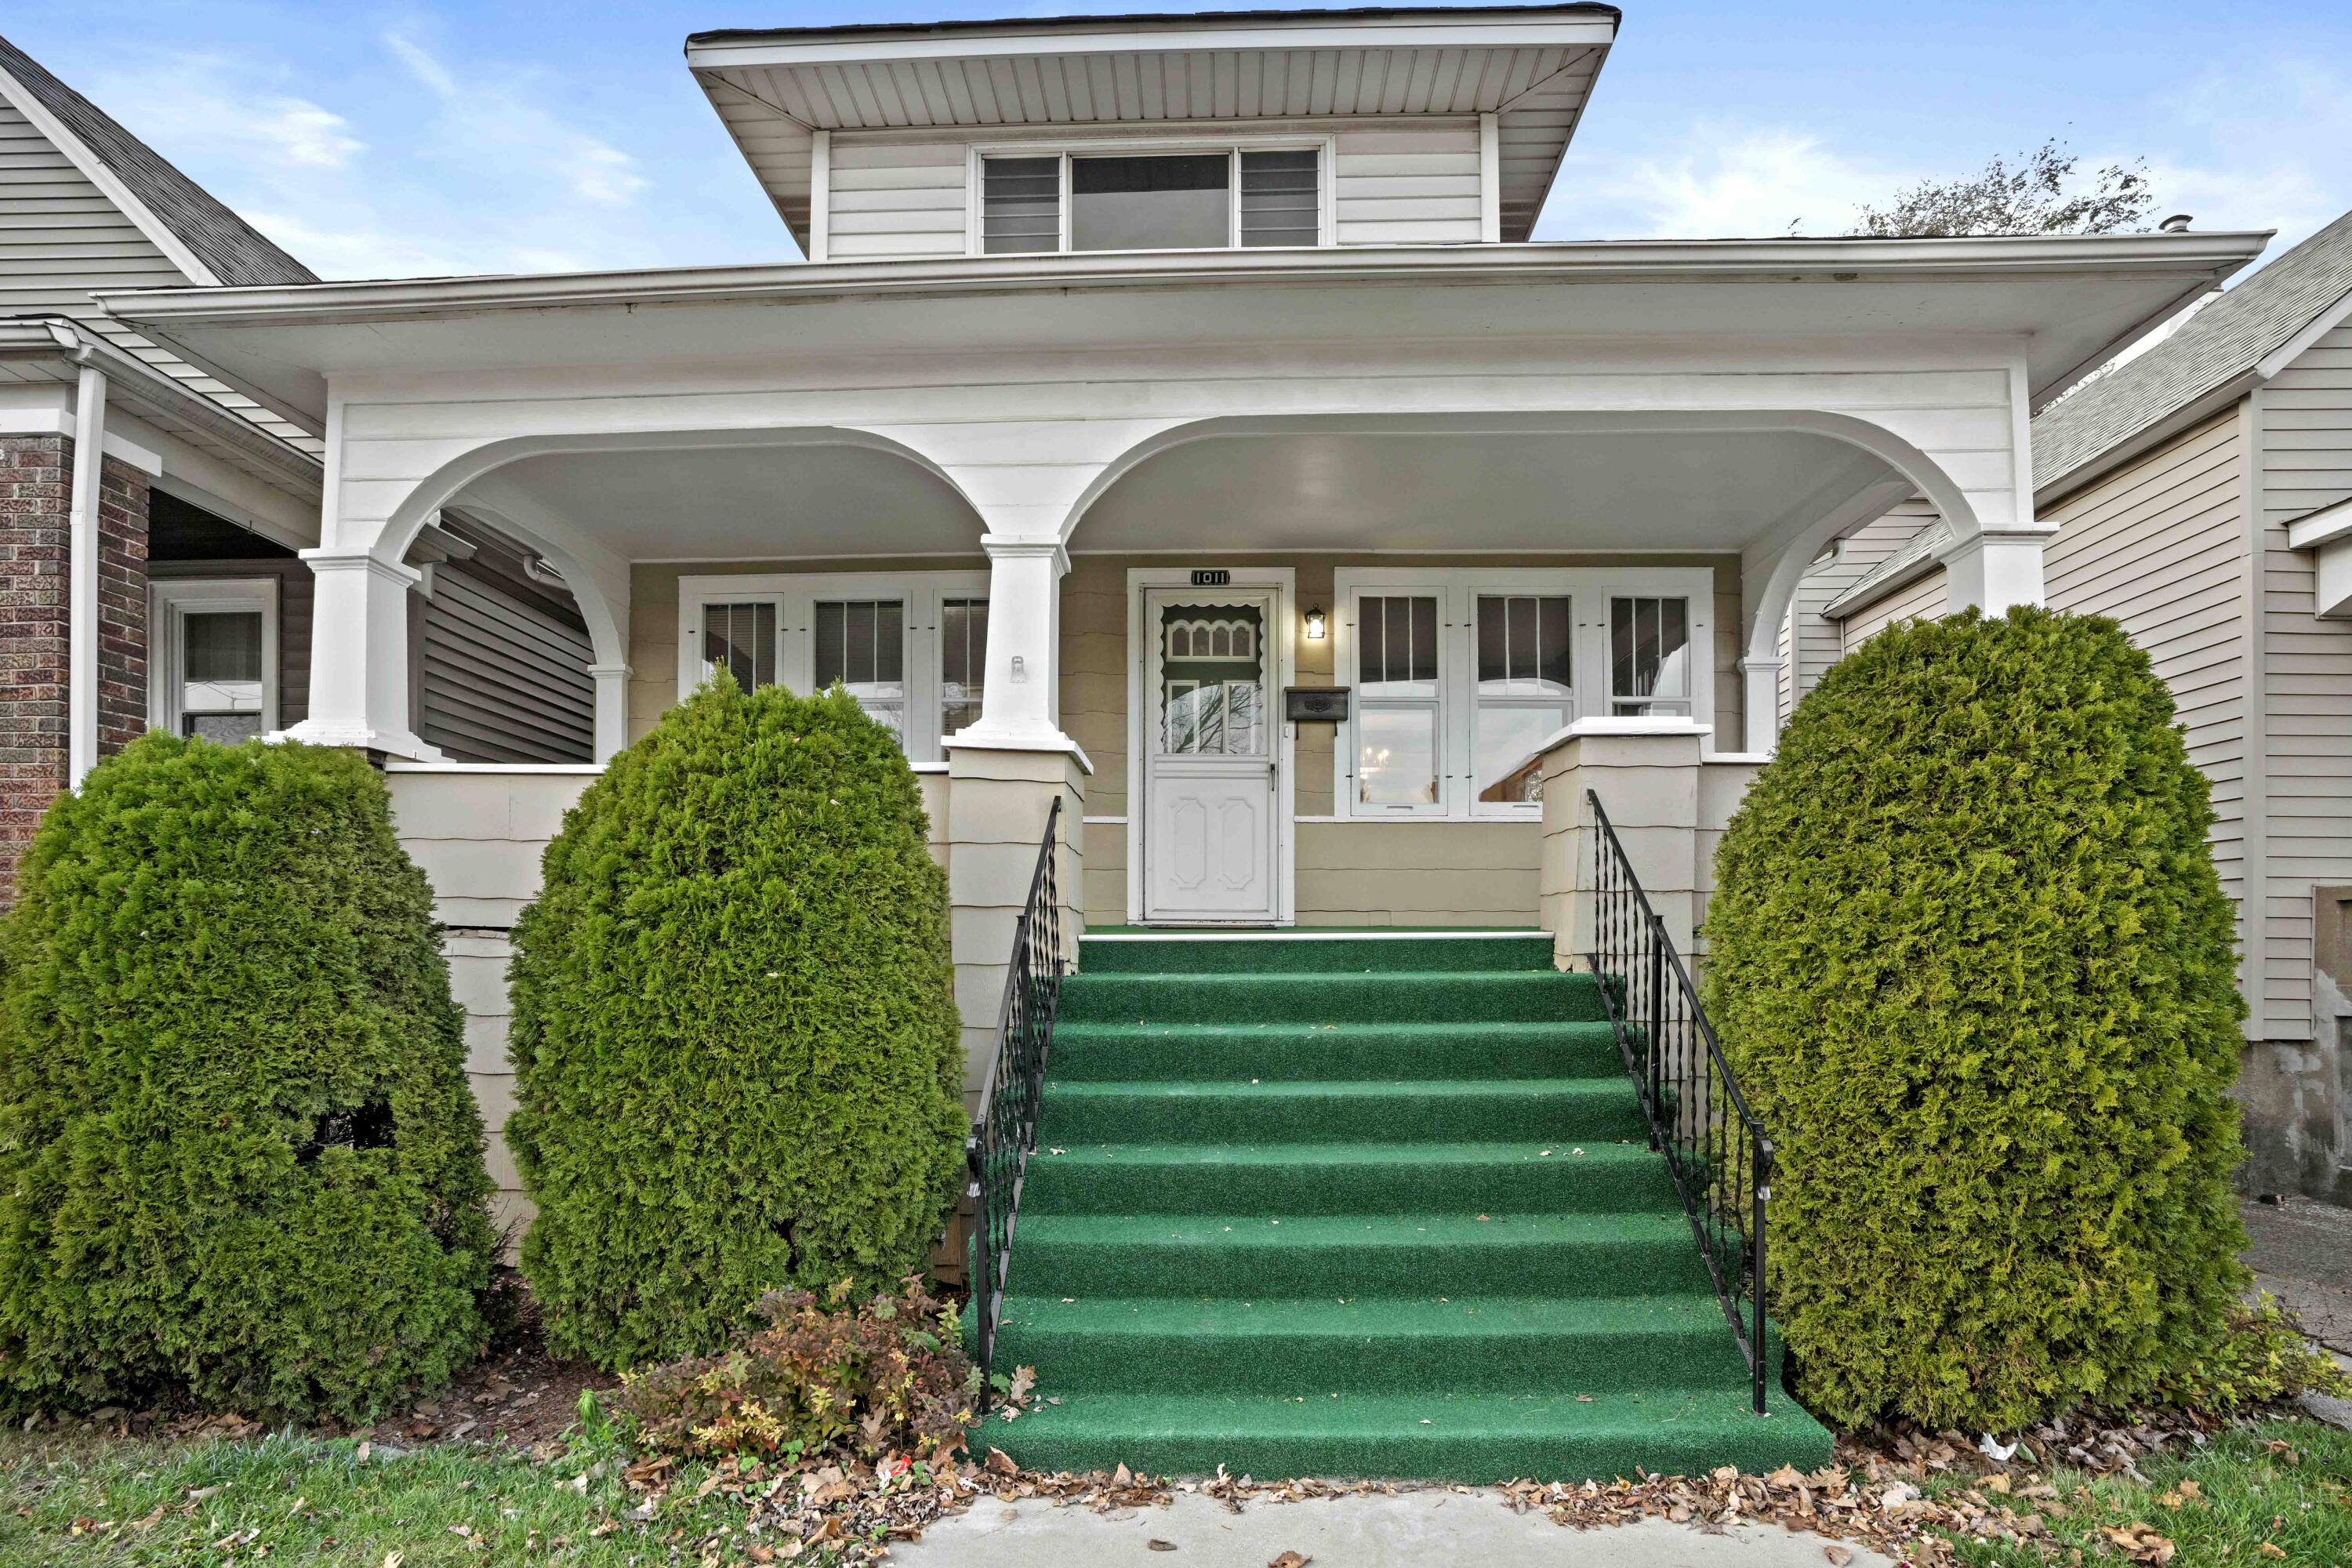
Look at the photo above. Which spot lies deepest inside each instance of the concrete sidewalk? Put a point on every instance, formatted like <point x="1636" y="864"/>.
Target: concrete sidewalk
<point x="1437" y="1528"/>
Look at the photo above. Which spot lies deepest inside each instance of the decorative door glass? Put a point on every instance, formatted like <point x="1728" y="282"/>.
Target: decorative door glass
<point x="1213" y="680"/>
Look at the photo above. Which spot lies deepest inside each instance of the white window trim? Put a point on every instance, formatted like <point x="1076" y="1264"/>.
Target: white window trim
<point x="170" y="600"/>
<point x="976" y="153"/>
<point x="1457" y="590"/>
<point x="795" y="596"/>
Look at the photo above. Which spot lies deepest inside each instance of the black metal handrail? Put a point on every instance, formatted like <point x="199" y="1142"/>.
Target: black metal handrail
<point x="1715" y="1147"/>
<point x="1006" y="1131"/>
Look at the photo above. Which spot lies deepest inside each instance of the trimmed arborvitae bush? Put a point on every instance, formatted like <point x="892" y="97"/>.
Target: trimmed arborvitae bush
<point x="1972" y="963"/>
<point x="239" y="1163"/>
<point x="736" y="1052"/>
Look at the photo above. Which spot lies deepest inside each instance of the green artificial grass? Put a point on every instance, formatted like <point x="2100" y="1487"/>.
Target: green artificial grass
<point x="1355" y="1206"/>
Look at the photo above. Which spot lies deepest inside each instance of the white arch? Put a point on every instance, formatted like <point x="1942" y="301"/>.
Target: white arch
<point x="1922" y="472"/>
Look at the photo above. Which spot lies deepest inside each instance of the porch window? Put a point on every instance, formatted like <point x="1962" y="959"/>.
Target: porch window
<point x="963" y="658"/>
<point x="215" y="653"/>
<point x="1400" y="734"/>
<point x="1525" y="670"/>
<point x="1191" y="198"/>
<point x="909" y="647"/>
<point x="1649" y="662"/>
<point x="1460" y="675"/>
<point x="861" y="646"/>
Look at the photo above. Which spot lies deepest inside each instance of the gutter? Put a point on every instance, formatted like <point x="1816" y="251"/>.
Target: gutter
<point x="2208" y="257"/>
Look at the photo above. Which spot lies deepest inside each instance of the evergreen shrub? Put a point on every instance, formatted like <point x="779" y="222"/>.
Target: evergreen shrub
<point x="734" y="1035"/>
<point x="1972" y="963"/>
<point x="240" y="1162"/>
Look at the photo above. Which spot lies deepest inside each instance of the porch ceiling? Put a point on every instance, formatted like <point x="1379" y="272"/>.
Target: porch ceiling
<point x="1473" y="492"/>
<point x="746" y="503"/>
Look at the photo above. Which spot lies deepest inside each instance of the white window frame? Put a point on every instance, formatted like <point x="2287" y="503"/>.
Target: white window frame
<point x="795" y="595"/>
<point x="977" y="153"/>
<point x="170" y="601"/>
<point x="1457" y="590"/>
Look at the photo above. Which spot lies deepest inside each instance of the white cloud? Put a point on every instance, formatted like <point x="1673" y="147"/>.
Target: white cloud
<point x="2260" y="146"/>
<point x="192" y="104"/>
<point x="1721" y="181"/>
<point x="525" y="135"/>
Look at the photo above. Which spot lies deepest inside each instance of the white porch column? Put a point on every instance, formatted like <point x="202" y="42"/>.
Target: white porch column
<point x="611" y="707"/>
<point x="1759" y="704"/>
<point x="1993" y="572"/>
<point x="82" y="573"/>
<point x="359" y="655"/>
<point x="1020" y="705"/>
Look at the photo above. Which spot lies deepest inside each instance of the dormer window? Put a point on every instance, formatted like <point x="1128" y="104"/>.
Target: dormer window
<point x="1188" y="199"/>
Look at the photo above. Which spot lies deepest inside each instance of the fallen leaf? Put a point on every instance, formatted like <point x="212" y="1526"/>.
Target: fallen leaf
<point x="1838" y="1555"/>
<point x="1001" y="1463"/>
<point x="1290" y="1559"/>
<point x="2271" y="1549"/>
<point x="1156" y="1544"/>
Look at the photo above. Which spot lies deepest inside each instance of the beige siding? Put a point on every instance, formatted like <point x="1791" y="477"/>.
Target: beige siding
<point x="2305" y="414"/>
<point x="895" y="198"/>
<point x="1407" y="184"/>
<point x="1917" y="601"/>
<point x="1418" y="873"/>
<point x="62" y="240"/>
<point x="2160" y="545"/>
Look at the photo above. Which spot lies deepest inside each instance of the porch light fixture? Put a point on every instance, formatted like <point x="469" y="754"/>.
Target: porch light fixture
<point x="1316" y="624"/>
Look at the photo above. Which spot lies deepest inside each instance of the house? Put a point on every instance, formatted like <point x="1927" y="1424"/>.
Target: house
<point x="181" y="504"/>
<point x="2203" y="494"/>
<point x="1176" y="435"/>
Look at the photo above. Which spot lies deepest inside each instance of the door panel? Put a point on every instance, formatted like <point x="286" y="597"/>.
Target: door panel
<point x="1213" y="758"/>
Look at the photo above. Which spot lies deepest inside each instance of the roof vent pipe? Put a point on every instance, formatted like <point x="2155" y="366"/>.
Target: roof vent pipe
<point x="2176" y="223"/>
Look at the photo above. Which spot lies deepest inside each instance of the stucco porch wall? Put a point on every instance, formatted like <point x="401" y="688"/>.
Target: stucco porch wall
<point x="1348" y="873"/>
<point x="479" y="833"/>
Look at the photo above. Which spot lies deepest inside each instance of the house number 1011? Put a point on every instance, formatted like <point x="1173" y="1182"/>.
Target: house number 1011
<point x="1212" y="577"/>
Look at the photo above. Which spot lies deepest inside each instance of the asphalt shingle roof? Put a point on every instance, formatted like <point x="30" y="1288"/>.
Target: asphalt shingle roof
<point x="2220" y="342"/>
<point x="236" y="252"/>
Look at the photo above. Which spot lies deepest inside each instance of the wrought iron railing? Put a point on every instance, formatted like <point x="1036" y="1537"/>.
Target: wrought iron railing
<point x="1006" y="1131"/>
<point x="1715" y="1147"/>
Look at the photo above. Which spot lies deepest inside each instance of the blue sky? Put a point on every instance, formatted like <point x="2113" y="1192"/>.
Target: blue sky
<point x="378" y="141"/>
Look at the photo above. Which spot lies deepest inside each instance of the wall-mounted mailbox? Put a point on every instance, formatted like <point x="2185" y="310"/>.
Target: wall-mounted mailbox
<point x="1315" y="704"/>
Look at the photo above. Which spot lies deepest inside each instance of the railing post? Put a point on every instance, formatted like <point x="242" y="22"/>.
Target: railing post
<point x="1762" y="1184"/>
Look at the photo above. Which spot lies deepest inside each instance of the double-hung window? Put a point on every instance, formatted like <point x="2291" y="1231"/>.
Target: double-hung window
<point x="215" y="657"/>
<point x="1172" y="198"/>
<point x="1461" y="674"/>
<point x="910" y="649"/>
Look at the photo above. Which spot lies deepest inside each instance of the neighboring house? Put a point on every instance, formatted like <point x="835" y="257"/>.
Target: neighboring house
<point x="181" y="544"/>
<point x="1142" y="370"/>
<point x="2202" y="492"/>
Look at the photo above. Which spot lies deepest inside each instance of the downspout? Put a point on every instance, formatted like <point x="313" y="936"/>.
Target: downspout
<point x="82" y="569"/>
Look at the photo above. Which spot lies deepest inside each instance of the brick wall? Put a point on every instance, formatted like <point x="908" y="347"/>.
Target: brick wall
<point x="35" y="493"/>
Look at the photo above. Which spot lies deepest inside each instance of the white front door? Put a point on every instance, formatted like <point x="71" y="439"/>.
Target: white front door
<point x="1212" y="735"/>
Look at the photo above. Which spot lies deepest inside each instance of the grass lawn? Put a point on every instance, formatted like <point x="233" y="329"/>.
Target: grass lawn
<point x="301" y="1499"/>
<point x="2276" y="1493"/>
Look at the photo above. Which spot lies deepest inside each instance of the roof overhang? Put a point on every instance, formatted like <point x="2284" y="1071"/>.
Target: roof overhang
<point x="2056" y="302"/>
<point x="1532" y="67"/>
<point x="55" y="348"/>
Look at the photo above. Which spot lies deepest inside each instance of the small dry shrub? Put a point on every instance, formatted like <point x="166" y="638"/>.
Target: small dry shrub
<point x="883" y="1376"/>
<point x="2260" y="1357"/>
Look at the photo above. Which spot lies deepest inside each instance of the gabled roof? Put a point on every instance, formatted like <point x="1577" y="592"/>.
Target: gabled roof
<point x="2223" y="344"/>
<point x="1530" y="65"/>
<point x="201" y="234"/>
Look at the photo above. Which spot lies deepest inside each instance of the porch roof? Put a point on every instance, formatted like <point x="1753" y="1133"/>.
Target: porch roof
<point x="1531" y="66"/>
<point x="2065" y="302"/>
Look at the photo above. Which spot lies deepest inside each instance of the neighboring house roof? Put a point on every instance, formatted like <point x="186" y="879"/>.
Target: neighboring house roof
<point x="1531" y="67"/>
<point x="1912" y="559"/>
<point x="2222" y="343"/>
<point x="226" y="248"/>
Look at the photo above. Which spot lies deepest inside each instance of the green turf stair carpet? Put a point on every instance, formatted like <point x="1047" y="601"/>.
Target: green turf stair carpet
<point x="1361" y="1205"/>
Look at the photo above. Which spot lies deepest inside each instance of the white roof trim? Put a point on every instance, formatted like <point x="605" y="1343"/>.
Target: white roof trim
<point x="109" y="183"/>
<point x="2325" y="526"/>
<point x="2294" y="349"/>
<point x="1578" y="262"/>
